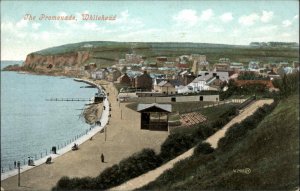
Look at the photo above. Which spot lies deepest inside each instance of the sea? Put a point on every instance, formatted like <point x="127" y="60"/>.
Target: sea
<point x="31" y="125"/>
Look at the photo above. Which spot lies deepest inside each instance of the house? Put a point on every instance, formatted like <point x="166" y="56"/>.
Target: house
<point x="204" y="81"/>
<point x="235" y="66"/>
<point x="133" y="58"/>
<point x="199" y="63"/>
<point x="90" y="66"/>
<point x="161" y="59"/>
<point x="99" y="74"/>
<point x="182" y="66"/>
<point x="224" y="60"/>
<point x="143" y="81"/>
<point x="113" y="75"/>
<point x="224" y="76"/>
<point x="165" y="87"/>
<point x="253" y="65"/>
<point x="221" y="67"/>
<point x="124" y="79"/>
<point x="186" y="77"/>
<point x="296" y="65"/>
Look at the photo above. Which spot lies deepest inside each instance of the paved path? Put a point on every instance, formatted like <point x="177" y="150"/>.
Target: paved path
<point x="123" y="138"/>
<point x="146" y="178"/>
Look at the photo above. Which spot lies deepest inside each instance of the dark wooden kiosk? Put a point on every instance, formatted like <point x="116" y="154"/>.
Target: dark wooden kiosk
<point x="154" y="116"/>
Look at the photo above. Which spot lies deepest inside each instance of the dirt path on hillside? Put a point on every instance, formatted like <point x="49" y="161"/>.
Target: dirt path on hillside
<point x="123" y="138"/>
<point x="146" y="178"/>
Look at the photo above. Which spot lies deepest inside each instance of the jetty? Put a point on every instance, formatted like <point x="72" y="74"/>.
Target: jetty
<point x="68" y="99"/>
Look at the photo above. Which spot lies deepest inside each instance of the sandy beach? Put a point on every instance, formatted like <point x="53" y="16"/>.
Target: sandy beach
<point x="123" y="138"/>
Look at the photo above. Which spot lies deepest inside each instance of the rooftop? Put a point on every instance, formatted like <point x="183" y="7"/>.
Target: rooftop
<point x="156" y="106"/>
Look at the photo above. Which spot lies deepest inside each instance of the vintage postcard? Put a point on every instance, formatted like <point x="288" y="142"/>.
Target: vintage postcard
<point x="149" y="95"/>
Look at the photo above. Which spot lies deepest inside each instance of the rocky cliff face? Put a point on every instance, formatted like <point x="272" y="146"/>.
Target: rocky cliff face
<point x="75" y="59"/>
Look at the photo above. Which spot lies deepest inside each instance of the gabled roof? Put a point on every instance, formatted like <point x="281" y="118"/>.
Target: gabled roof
<point x="154" y="107"/>
<point x="163" y="83"/>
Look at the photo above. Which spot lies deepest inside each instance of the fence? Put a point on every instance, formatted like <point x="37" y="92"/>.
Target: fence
<point x="241" y="101"/>
<point x="197" y="108"/>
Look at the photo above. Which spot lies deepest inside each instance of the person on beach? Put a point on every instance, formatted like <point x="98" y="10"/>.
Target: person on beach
<point x="102" y="157"/>
<point x="15" y="164"/>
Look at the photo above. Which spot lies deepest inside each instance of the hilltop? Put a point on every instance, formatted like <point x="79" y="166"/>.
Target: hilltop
<point x="69" y="59"/>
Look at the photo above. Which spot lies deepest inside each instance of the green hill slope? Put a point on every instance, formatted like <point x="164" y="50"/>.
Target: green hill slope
<point x="270" y="151"/>
<point x="111" y="51"/>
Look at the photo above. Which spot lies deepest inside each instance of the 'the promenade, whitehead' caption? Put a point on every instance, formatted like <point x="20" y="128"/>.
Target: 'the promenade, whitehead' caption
<point x="82" y="17"/>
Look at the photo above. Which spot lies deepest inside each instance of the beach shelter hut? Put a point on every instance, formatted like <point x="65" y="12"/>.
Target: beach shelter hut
<point x="154" y="116"/>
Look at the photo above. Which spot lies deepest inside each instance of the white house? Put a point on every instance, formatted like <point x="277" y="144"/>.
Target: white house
<point x="99" y="74"/>
<point x="203" y="81"/>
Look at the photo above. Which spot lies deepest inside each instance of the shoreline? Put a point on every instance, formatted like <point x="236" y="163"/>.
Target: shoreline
<point x="103" y="119"/>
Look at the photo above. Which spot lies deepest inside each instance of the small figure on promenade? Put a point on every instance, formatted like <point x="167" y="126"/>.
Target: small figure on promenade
<point x="102" y="157"/>
<point x="54" y="149"/>
<point x="48" y="161"/>
<point x="75" y="147"/>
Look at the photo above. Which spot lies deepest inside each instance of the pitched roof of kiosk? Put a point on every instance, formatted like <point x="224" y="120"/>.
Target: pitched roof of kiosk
<point x="165" y="107"/>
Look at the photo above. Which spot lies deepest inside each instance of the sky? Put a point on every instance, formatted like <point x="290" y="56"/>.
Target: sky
<point x="237" y="22"/>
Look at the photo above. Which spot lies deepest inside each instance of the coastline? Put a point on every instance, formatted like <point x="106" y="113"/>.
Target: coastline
<point x="103" y="119"/>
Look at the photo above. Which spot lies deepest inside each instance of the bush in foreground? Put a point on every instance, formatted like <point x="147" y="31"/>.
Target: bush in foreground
<point x="127" y="169"/>
<point x="203" y="148"/>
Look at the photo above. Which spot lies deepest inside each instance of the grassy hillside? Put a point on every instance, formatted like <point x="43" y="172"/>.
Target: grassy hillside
<point x="108" y="52"/>
<point x="271" y="151"/>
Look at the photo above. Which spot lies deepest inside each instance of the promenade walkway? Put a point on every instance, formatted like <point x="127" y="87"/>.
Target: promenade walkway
<point x="123" y="138"/>
<point x="150" y="176"/>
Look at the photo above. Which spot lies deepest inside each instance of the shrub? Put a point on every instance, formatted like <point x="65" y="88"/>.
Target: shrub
<point x="128" y="168"/>
<point x="175" y="145"/>
<point x="205" y="131"/>
<point x="203" y="148"/>
<point x="238" y="130"/>
<point x="65" y="183"/>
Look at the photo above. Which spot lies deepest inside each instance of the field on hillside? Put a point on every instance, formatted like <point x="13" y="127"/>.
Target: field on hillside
<point x="108" y="53"/>
<point x="270" y="151"/>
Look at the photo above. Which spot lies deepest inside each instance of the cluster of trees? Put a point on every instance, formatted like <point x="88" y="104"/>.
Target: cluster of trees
<point x="249" y="89"/>
<point x="288" y="84"/>
<point x="176" y="143"/>
<point x="251" y="76"/>
<point x="275" y="44"/>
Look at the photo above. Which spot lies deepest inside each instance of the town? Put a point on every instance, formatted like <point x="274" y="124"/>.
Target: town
<point x="185" y="75"/>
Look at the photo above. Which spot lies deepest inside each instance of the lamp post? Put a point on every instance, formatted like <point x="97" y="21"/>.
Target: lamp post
<point x="18" y="164"/>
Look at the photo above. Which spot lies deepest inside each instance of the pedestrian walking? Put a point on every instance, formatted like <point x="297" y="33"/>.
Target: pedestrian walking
<point x="102" y="157"/>
<point x="15" y="164"/>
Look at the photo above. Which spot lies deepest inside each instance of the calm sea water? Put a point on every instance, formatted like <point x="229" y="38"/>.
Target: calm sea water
<point x="30" y="125"/>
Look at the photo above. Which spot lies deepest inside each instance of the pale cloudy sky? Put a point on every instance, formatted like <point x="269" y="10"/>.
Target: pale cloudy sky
<point x="226" y="22"/>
